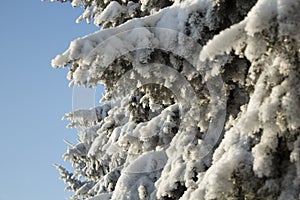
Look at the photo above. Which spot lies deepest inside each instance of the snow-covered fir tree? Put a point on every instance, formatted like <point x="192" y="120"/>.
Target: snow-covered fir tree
<point x="202" y="100"/>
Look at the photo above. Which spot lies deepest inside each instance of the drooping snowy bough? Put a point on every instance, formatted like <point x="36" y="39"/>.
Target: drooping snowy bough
<point x="202" y="100"/>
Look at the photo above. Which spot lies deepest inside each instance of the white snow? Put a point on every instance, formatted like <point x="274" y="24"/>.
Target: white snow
<point x="146" y="143"/>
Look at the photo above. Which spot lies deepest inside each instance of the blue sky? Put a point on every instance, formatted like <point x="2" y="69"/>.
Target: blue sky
<point x="34" y="96"/>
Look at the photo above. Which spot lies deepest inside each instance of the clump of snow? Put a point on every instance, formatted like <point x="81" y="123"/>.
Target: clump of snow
<point x="111" y="12"/>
